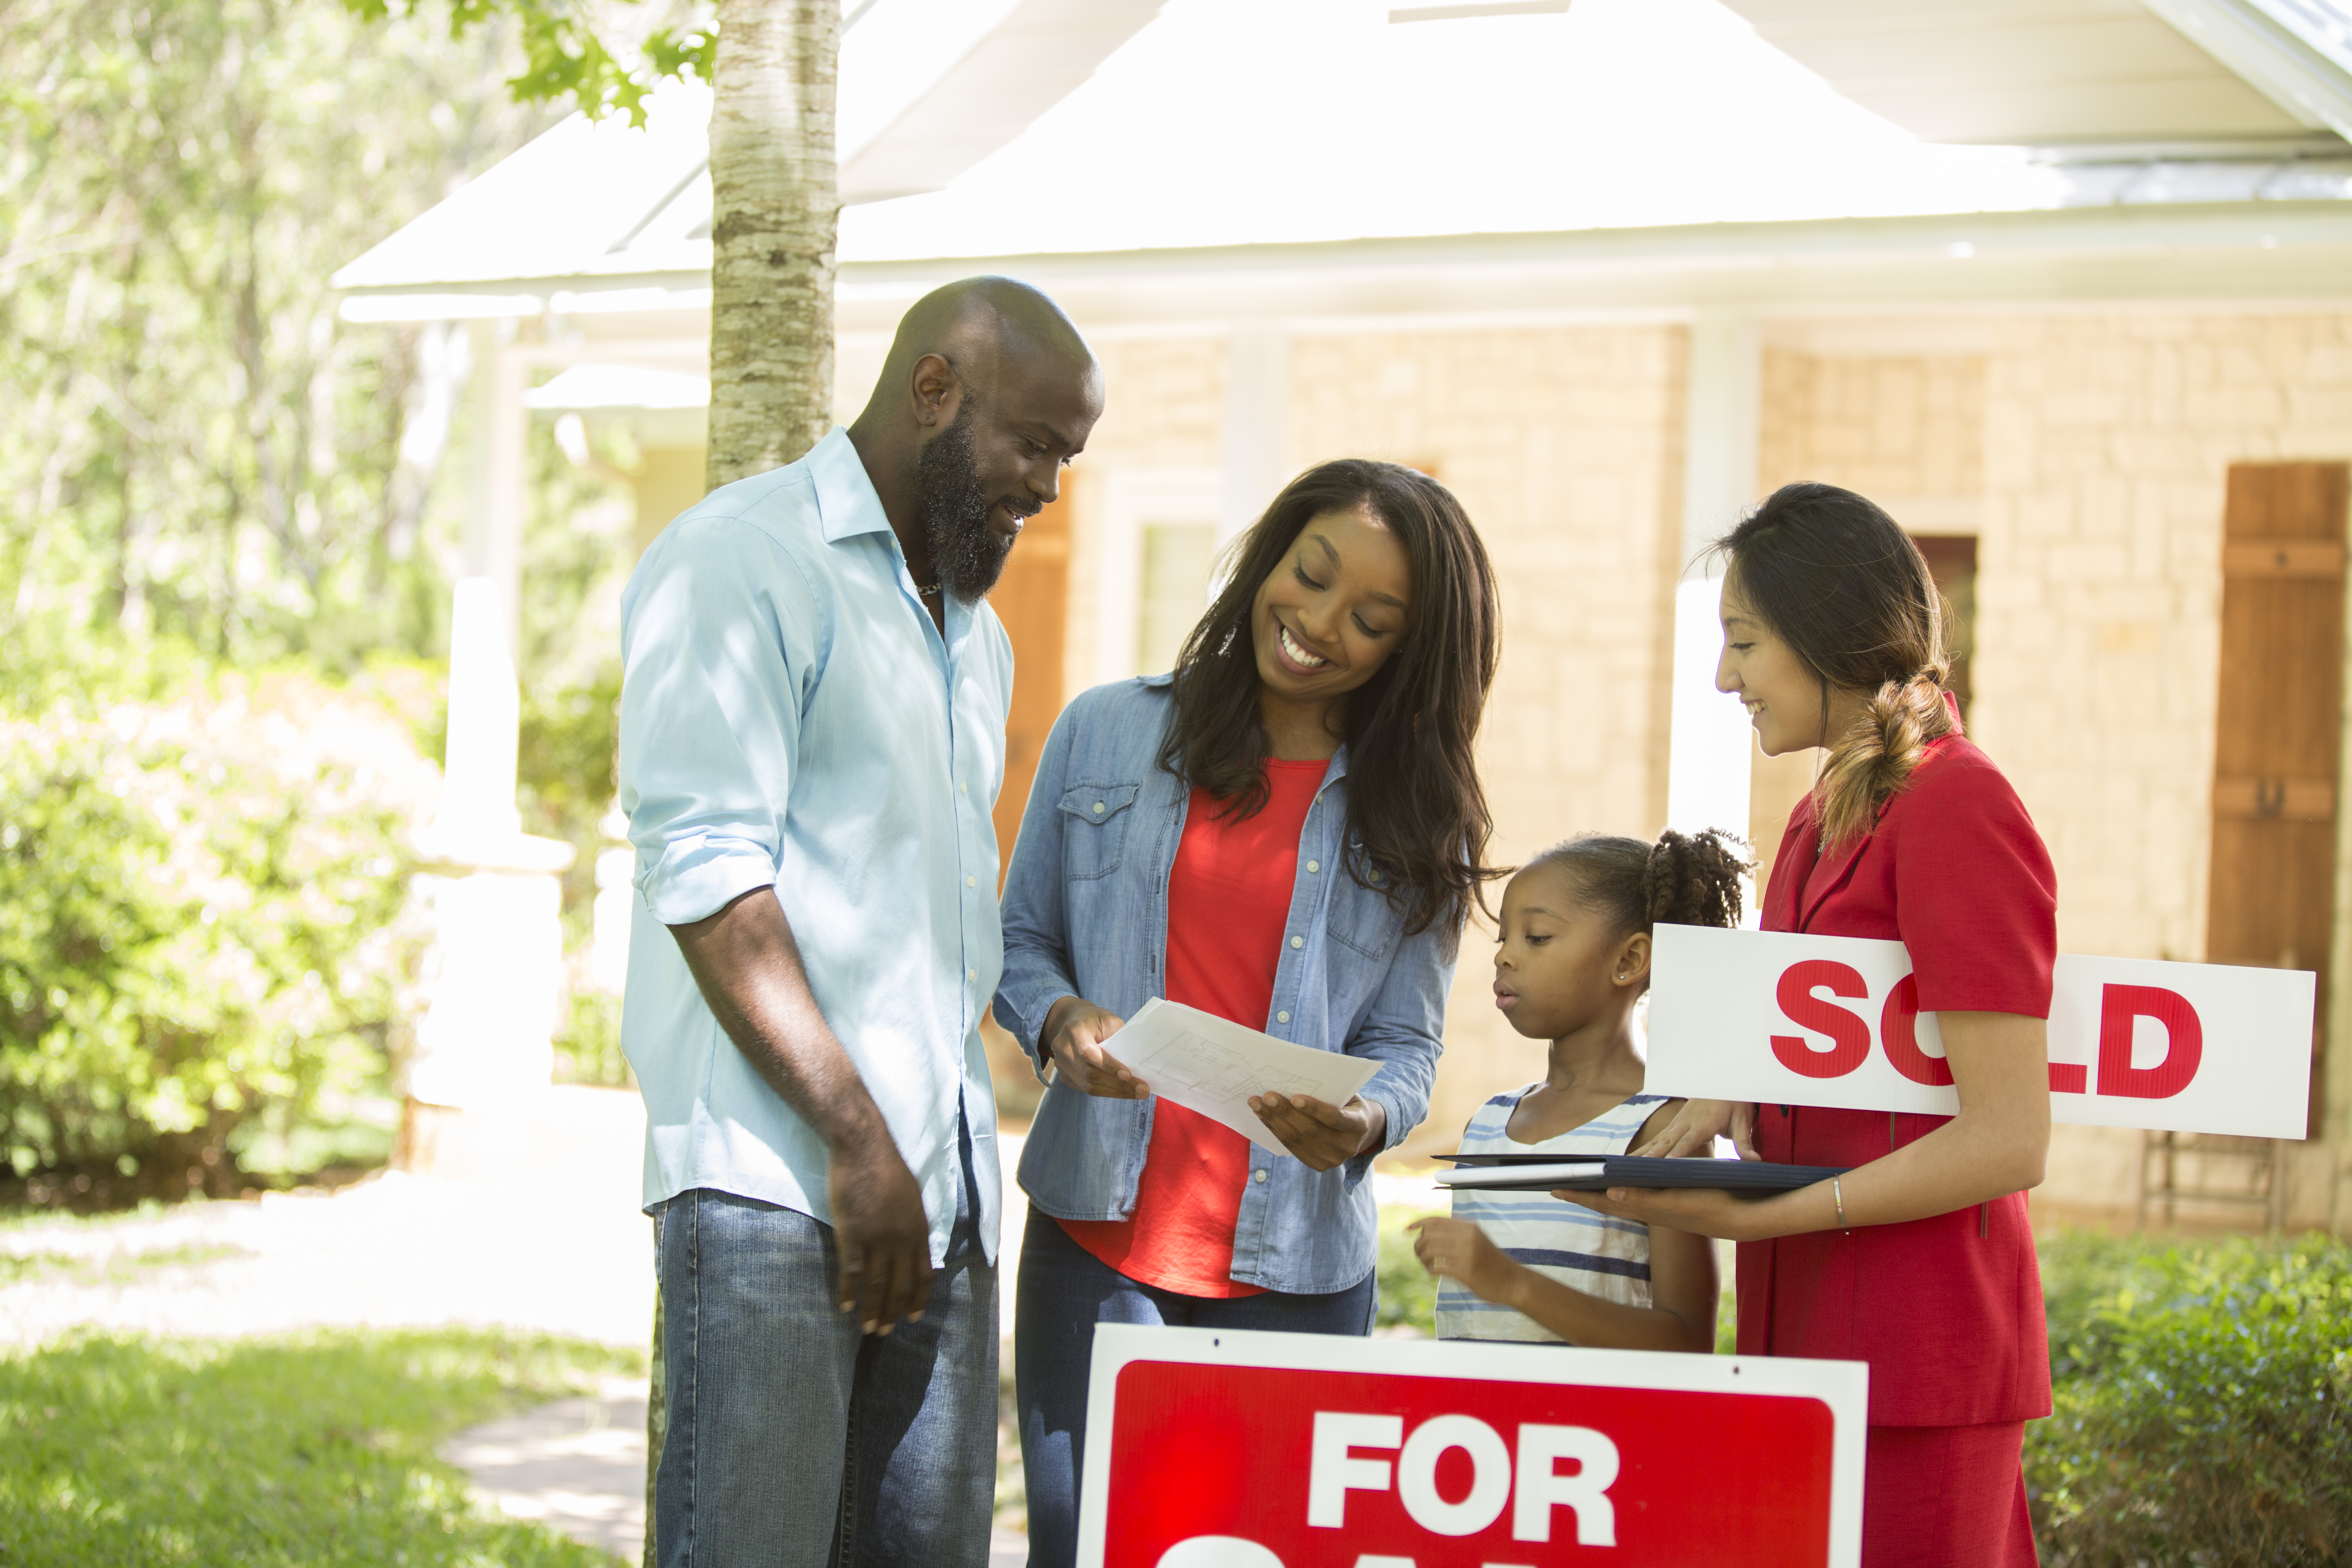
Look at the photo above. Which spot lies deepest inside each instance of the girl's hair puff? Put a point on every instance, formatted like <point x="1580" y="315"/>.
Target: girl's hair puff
<point x="1691" y="879"/>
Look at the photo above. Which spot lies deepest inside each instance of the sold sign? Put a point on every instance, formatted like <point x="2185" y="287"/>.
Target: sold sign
<point x="1211" y="1449"/>
<point x="1780" y="1018"/>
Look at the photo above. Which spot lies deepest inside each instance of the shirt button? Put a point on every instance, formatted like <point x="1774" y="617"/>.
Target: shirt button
<point x="971" y="974"/>
<point x="963" y="789"/>
<point x="1314" y="865"/>
<point x="1259" y="1177"/>
<point x="1099" y="808"/>
<point x="971" y="882"/>
<point x="1297" y="941"/>
<point x="1282" y="1017"/>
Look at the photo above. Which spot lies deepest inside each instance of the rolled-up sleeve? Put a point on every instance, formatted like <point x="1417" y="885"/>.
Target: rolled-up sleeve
<point x="718" y="635"/>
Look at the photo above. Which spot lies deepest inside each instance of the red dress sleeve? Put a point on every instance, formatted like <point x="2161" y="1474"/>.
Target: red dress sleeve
<point x="1976" y="897"/>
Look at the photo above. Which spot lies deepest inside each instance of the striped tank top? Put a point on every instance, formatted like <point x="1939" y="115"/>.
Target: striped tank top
<point x="1587" y="1251"/>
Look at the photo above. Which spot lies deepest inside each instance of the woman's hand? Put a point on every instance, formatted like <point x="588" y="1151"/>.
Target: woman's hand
<point x="1696" y="1127"/>
<point x="1074" y="1033"/>
<point x="1321" y="1135"/>
<point x="1701" y="1211"/>
<point x="1458" y="1249"/>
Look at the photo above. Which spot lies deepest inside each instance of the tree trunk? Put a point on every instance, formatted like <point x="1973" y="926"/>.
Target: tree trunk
<point x="775" y="209"/>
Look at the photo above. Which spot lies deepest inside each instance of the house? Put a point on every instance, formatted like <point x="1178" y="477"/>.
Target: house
<point x="2068" y="289"/>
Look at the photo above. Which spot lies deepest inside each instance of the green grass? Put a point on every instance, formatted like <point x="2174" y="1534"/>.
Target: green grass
<point x="19" y="1267"/>
<point x="316" y="1450"/>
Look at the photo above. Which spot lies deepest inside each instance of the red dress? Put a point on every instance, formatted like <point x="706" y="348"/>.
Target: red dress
<point x="1947" y="1309"/>
<point x="1229" y="896"/>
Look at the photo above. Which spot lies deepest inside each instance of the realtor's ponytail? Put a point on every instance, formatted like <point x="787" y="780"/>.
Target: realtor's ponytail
<point x="1840" y="582"/>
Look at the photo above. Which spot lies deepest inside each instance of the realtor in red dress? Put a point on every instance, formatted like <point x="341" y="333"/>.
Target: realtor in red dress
<point x="1919" y="1261"/>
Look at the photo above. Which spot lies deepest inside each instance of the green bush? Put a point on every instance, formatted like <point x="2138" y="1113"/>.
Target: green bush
<point x="2203" y="1404"/>
<point x="201" y="911"/>
<point x="1408" y="1292"/>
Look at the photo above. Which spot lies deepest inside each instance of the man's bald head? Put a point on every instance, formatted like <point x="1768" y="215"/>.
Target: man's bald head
<point x="988" y="390"/>
<point x="985" y="328"/>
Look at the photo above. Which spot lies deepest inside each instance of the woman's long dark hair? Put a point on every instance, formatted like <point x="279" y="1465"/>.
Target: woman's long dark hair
<point x="1840" y="582"/>
<point x="1417" y="818"/>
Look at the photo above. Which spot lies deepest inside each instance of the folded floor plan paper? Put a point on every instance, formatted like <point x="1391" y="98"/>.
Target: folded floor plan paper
<point x="1207" y="1064"/>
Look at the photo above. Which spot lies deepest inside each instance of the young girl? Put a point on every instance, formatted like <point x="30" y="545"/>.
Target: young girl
<point x="1573" y="960"/>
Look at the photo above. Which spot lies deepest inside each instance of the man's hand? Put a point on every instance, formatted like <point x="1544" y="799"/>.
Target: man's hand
<point x="1321" y="1135"/>
<point x="748" y="968"/>
<point x="881" y="1235"/>
<point x="1698" y="1124"/>
<point x="1074" y="1033"/>
<point x="1458" y="1249"/>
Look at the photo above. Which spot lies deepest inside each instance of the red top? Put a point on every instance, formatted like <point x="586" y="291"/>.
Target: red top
<point x="1229" y="898"/>
<point x="1947" y="1310"/>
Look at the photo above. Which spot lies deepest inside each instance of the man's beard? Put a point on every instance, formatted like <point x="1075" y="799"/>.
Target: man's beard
<point x="967" y="555"/>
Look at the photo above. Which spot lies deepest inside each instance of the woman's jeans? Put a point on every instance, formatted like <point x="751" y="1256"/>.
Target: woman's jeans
<point x="794" y="1439"/>
<point x="1064" y="1291"/>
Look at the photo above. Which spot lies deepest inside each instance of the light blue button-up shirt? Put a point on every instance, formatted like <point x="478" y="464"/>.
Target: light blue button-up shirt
<point x="791" y="718"/>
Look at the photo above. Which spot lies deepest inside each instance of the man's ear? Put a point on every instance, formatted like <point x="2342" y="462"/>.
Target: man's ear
<point x="1633" y="963"/>
<point x="936" y="390"/>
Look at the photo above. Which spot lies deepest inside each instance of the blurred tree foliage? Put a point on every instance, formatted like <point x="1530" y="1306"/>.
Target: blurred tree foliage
<point x="226" y="530"/>
<point x="570" y="50"/>
<point x="200" y="914"/>
<point x="196" y="446"/>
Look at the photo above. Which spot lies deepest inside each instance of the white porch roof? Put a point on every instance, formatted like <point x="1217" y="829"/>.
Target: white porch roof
<point x="1325" y="139"/>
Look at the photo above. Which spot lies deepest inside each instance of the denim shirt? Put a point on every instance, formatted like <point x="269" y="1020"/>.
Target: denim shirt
<point x="1086" y="914"/>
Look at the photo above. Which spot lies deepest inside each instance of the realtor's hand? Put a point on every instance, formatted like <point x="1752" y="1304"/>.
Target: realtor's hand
<point x="1075" y="1031"/>
<point x="1697" y="1211"/>
<point x="1321" y="1135"/>
<point x="1698" y="1124"/>
<point x="880" y="1233"/>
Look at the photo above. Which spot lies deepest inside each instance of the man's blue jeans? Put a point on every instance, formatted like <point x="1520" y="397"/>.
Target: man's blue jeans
<point x="796" y="1441"/>
<point x="1066" y="1291"/>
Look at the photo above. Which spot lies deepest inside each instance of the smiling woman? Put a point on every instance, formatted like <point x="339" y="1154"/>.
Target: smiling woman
<point x="1286" y="832"/>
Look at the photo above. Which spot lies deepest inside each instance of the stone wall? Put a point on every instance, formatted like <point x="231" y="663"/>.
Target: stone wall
<point x="2086" y="453"/>
<point x="2108" y="445"/>
<point x="1565" y="446"/>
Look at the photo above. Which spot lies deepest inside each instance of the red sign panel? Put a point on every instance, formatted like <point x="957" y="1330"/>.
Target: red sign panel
<point x="1224" y="1450"/>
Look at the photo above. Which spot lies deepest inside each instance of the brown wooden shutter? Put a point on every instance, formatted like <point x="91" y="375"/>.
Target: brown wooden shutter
<point x="2278" y="733"/>
<point x="1032" y="600"/>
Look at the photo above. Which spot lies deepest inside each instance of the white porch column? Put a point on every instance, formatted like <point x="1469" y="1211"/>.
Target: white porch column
<point x="1256" y="438"/>
<point x="485" y="1042"/>
<point x="1710" y="741"/>
<point x="496" y="496"/>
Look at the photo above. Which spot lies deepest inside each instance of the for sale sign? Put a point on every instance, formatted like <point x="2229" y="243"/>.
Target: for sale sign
<point x="1211" y="1449"/>
<point x="1785" y="1019"/>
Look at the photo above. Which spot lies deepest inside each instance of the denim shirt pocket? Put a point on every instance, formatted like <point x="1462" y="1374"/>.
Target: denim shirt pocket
<point x="1096" y="829"/>
<point x="1361" y="918"/>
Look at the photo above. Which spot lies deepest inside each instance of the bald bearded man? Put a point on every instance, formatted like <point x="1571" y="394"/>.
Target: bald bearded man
<point x="812" y="710"/>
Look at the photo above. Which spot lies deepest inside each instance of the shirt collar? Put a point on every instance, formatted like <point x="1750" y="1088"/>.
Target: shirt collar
<point x="847" y="504"/>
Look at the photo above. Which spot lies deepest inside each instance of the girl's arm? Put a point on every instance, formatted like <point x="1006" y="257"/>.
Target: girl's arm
<point x="1995" y="1146"/>
<point x="1683" y="1289"/>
